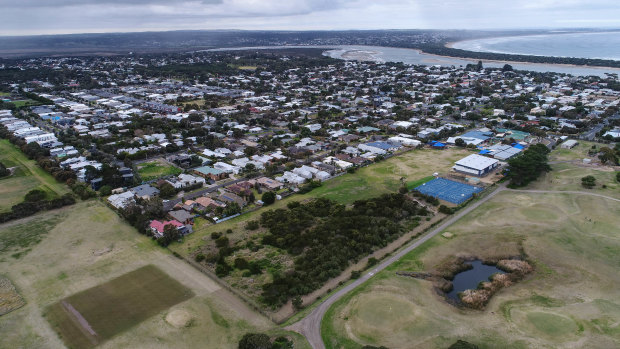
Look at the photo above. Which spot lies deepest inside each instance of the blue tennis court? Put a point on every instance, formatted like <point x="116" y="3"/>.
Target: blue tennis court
<point x="447" y="190"/>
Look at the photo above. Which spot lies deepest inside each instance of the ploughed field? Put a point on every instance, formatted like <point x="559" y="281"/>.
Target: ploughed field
<point x="92" y="316"/>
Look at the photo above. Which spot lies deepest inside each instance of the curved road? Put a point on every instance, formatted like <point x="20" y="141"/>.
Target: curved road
<point x="310" y="326"/>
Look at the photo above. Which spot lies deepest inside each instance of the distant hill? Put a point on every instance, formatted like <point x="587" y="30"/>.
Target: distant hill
<point x="151" y="42"/>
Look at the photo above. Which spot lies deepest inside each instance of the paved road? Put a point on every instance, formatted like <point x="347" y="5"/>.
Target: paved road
<point x="169" y="204"/>
<point x="310" y="326"/>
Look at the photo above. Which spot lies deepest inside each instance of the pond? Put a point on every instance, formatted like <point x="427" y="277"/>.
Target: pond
<point x="469" y="279"/>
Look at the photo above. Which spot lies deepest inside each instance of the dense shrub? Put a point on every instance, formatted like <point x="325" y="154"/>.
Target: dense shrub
<point x="268" y="198"/>
<point x="252" y="225"/>
<point x="35" y="195"/>
<point x="29" y="208"/>
<point x="326" y="236"/>
<point x="241" y="263"/>
<point x="588" y="182"/>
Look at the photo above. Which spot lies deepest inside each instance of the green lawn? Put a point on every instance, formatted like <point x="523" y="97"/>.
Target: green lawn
<point x="26" y="177"/>
<point x="115" y="306"/>
<point x="156" y="169"/>
<point x="26" y="102"/>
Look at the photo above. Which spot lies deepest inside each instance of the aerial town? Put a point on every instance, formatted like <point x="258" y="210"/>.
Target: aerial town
<point x="218" y="157"/>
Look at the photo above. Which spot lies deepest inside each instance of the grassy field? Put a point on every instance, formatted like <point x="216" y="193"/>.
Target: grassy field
<point x="156" y="169"/>
<point x="567" y="176"/>
<point x="27" y="176"/>
<point x="567" y="173"/>
<point x="243" y="67"/>
<point x="367" y="182"/>
<point x="87" y="245"/>
<point x="25" y="102"/>
<point x="579" y="152"/>
<point x="115" y="306"/>
<point x="571" y="300"/>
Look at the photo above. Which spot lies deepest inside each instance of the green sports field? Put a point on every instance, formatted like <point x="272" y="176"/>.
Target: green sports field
<point x="156" y="169"/>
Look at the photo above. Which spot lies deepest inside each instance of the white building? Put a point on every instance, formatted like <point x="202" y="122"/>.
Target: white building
<point x="476" y="165"/>
<point x="120" y="201"/>
<point x="409" y="142"/>
<point x="45" y="137"/>
<point x="569" y="144"/>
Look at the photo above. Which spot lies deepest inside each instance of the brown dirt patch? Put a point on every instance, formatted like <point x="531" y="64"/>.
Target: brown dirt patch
<point x="9" y="298"/>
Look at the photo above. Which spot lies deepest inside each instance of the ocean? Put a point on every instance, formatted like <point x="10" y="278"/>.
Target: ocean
<point x="602" y="45"/>
<point x="412" y="56"/>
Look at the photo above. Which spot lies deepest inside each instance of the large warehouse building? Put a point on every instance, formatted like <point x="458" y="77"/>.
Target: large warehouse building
<point x="476" y="165"/>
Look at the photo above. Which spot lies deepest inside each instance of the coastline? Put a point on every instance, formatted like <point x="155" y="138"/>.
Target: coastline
<point x="377" y="54"/>
<point x="453" y="45"/>
<point x="450" y="45"/>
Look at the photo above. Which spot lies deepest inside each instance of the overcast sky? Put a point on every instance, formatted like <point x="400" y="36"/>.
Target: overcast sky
<point x="25" y="17"/>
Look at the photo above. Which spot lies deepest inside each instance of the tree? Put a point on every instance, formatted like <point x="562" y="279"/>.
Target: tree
<point x="526" y="167"/>
<point x="268" y="198"/>
<point x="222" y="241"/>
<point x="167" y="191"/>
<point x="4" y="171"/>
<point x="35" y="195"/>
<point x="171" y="233"/>
<point x="298" y="303"/>
<point x="588" y="182"/>
<point x="249" y="151"/>
<point x="507" y="67"/>
<point x="105" y="190"/>
<point x="249" y="168"/>
<point x="231" y="209"/>
<point x="459" y="142"/>
<point x="618" y="176"/>
<point x="255" y="341"/>
<point x="608" y="155"/>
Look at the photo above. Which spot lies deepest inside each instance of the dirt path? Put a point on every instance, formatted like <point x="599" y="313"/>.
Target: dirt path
<point x="310" y="326"/>
<point x="563" y="192"/>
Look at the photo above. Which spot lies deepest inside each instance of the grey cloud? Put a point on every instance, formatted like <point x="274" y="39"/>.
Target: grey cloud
<point x="64" y="3"/>
<point x="19" y="17"/>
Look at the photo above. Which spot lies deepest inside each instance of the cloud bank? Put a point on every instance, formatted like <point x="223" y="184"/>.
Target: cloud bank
<point x="25" y="17"/>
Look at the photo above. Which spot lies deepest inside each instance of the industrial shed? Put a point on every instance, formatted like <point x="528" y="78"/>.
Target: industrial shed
<point x="476" y="165"/>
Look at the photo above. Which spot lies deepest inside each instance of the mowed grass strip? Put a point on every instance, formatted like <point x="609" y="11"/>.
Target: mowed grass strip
<point x="115" y="306"/>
